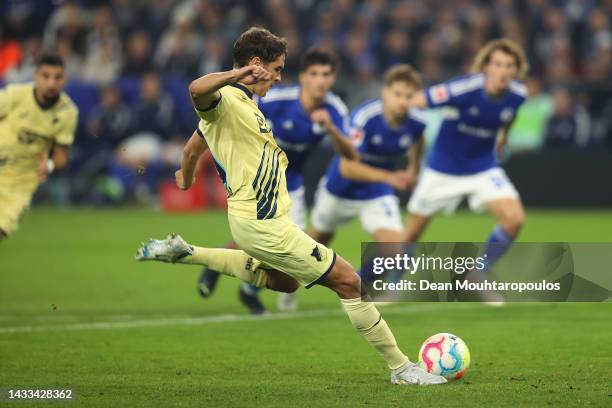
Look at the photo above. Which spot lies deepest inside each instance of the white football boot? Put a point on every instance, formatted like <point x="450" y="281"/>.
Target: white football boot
<point x="412" y="374"/>
<point x="170" y="249"/>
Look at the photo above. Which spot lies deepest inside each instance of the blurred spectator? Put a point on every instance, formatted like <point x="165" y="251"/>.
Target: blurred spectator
<point x="358" y="58"/>
<point x="103" y="31"/>
<point x="72" y="61"/>
<point x="448" y="35"/>
<point x="156" y="16"/>
<point x="126" y="15"/>
<point x="134" y="171"/>
<point x="570" y="124"/>
<point x="213" y="56"/>
<point x="22" y="19"/>
<point x="397" y="48"/>
<point x="153" y="112"/>
<point x="103" y="57"/>
<point x="599" y="36"/>
<point x="177" y="51"/>
<point x="138" y="59"/>
<point x="105" y="126"/>
<point x="326" y="32"/>
<point x="103" y="64"/>
<point x="603" y="129"/>
<point x="110" y="121"/>
<point x="559" y="68"/>
<point x="25" y="71"/>
<point x="527" y="132"/>
<point x="67" y="24"/>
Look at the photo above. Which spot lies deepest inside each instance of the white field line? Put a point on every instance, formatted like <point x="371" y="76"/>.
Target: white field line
<point x="225" y="318"/>
<point x="197" y="321"/>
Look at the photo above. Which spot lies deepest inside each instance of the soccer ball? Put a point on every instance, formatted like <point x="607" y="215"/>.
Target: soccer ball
<point x="445" y="354"/>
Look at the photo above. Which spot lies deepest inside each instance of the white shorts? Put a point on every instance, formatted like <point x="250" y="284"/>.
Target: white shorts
<point x="298" y="207"/>
<point x="437" y="191"/>
<point x="331" y="211"/>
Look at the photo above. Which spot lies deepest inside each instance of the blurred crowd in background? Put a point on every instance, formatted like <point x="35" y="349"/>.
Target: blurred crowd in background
<point x="129" y="63"/>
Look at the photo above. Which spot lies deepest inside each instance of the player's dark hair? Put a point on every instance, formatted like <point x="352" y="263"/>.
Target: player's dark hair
<point x="404" y="73"/>
<point x="49" y="58"/>
<point x="318" y="56"/>
<point x="258" y="42"/>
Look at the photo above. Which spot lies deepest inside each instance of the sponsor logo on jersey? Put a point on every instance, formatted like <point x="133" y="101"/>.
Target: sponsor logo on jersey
<point x="288" y="125"/>
<point x="316" y="253"/>
<point x="473" y="111"/>
<point x="377" y="139"/>
<point x="317" y="129"/>
<point x="357" y="136"/>
<point x="404" y="141"/>
<point x="475" y="131"/>
<point x="29" y="137"/>
<point x="263" y="125"/>
<point x="439" y="93"/>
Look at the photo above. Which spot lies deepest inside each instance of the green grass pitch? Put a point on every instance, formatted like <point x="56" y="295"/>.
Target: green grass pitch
<point x="77" y="312"/>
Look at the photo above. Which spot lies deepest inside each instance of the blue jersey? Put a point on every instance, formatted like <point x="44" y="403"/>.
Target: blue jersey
<point x="472" y="119"/>
<point x="293" y="130"/>
<point x="379" y="145"/>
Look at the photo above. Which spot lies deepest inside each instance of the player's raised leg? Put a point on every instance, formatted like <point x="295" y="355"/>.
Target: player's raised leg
<point x="209" y="277"/>
<point x="230" y="262"/>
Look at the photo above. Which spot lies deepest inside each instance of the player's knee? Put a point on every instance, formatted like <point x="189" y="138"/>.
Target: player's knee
<point x="344" y="281"/>
<point x="513" y="221"/>
<point x="412" y="235"/>
<point x="415" y="227"/>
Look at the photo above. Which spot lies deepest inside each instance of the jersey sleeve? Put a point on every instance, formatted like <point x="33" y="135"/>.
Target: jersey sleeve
<point x="65" y="136"/>
<point x="214" y="111"/>
<point x="6" y="100"/>
<point x="339" y="114"/>
<point x="342" y="122"/>
<point x="454" y="92"/>
<point x="357" y="131"/>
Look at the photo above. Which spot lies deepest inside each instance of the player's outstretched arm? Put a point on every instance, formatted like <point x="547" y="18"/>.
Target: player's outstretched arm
<point x="195" y="147"/>
<point x="419" y="100"/>
<point x="204" y="91"/>
<point x="415" y="159"/>
<point x="358" y="171"/>
<point x="341" y="144"/>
